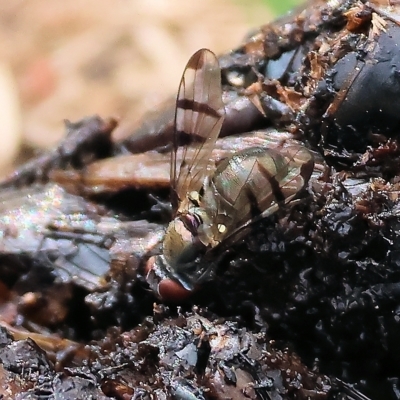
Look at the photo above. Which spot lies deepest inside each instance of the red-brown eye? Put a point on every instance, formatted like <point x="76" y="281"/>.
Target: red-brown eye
<point x="166" y="288"/>
<point x="170" y="290"/>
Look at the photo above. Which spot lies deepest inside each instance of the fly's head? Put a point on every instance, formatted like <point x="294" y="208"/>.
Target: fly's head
<point x="171" y="274"/>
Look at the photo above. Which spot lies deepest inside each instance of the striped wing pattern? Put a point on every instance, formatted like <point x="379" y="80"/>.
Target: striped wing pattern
<point x="198" y="120"/>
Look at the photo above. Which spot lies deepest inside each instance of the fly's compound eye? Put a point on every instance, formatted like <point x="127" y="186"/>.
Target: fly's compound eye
<point x="162" y="285"/>
<point x="170" y="290"/>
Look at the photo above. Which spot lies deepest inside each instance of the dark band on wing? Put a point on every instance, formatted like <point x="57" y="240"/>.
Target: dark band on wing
<point x="252" y="199"/>
<point x="276" y="189"/>
<point x="307" y="169"/>
<point x="196" y="62"/>
<point x="187" y="104"/>
<point x="186" y="138"/>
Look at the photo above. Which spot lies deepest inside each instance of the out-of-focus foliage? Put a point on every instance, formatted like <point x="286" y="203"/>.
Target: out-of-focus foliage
<point x="280" y="6"/>
<point x="115" y="59"/>
<point x="274" y="7"/>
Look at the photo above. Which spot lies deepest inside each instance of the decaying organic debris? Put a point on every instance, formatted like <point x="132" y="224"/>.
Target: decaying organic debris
<point x="321" y="276"/>
<point x="186" y="357"/>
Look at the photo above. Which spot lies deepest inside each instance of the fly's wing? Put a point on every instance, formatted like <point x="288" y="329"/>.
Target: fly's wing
<point x="198" y="120"/>
<point x="261" y="181"/>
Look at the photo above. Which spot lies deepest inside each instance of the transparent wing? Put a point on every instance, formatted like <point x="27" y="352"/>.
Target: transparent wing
<point x="285" y="179"/>
<point x="260" y="181"/>
<point x="198" y="120"/>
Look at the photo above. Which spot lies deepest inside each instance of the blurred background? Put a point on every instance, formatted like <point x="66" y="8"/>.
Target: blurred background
<point x="66" y="60"/>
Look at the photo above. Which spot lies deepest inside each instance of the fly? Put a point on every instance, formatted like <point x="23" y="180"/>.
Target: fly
<point x="215" y="205"/>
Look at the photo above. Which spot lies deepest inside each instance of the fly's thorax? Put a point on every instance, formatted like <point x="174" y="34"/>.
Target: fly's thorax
<point x="212" y="229"/>
<point x="181" y="243"/>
